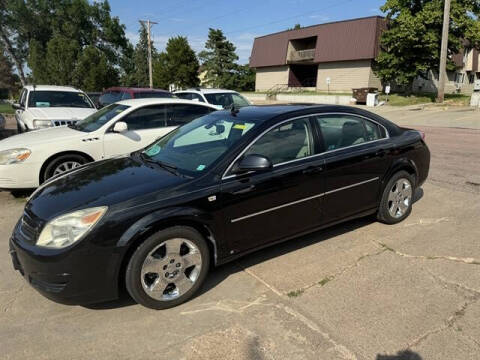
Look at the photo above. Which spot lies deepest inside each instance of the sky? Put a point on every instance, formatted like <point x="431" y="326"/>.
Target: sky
<point x="241" y="21"/>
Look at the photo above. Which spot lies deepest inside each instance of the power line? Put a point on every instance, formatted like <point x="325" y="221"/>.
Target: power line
<point x="287" y="18"/>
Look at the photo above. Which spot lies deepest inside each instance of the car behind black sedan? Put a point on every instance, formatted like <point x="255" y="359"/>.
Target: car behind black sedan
<point x="222" y="186"/>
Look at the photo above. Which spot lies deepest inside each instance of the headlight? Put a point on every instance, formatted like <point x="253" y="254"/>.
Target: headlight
<point x="42" y="124"/>
<point x="69" y="228"/>
<point x="14" y="156"/>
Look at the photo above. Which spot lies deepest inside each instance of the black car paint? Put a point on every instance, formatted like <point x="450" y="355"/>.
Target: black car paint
<point x="143" y="198"/>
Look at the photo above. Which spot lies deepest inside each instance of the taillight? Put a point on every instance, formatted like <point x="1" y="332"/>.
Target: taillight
<point x="422" y="134"/>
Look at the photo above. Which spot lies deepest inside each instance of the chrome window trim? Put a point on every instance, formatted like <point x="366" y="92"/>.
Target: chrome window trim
<point x="387" y="136"/>
<point x="301" y="200"/>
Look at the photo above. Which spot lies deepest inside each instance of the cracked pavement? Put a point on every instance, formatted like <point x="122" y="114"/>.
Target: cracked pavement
<point x="359" y="290"/>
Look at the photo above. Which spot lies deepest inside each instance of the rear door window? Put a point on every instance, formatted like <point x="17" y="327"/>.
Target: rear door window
<point x="343" y="130"/>
<point x="150" y="117"/>
<point x="179" y="114"/>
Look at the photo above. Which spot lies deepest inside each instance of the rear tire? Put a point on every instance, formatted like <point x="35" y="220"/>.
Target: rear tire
<point x="62" y="164"/>
<point x="168" y="268"/>
<point x="397" y="198"/>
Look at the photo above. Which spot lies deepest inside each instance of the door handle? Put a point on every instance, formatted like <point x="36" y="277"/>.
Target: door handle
<point x="243" y="190"/>
<point x="312" y="170"/>
<point x="380" y="152"/>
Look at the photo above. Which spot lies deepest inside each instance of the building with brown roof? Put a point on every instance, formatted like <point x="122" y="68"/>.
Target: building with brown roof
<point x="335" y="56"/>
<point x="339" y="56"/>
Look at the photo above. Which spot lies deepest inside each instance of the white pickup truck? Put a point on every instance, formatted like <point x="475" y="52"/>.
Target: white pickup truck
<point x="45" y="106"/>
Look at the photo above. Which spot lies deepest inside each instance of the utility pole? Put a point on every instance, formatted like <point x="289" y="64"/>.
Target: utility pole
<point x="149" y="25"/>
<point x="443" y="53"/>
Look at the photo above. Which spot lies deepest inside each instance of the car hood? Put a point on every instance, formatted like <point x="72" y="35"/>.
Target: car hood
<point x="60" y="113"/>
<point x="39" y="137"/>
<point x="103" y="183"/>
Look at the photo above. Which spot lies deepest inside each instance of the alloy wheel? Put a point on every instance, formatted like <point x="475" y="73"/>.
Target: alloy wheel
<point x="171" y="269"/>
<point x="65" y="166"/>
<point x="399" y="198"/>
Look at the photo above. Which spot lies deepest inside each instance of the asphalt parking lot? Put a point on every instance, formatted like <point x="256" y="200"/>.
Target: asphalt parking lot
<point x="360" y="290"/>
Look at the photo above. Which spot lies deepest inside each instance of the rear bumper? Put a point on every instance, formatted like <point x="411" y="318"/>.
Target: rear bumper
<point x="72" y="277"/>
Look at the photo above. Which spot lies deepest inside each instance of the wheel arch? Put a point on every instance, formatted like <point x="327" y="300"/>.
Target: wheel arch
<point x="152" y="223"/>
<point x="56" y="155"/>
<point x="404" y="164"/>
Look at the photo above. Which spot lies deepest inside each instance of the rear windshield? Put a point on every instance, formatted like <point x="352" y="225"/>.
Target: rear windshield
<point x="58" y="99"/>
<point x="153" y="94"/>
<point x="227" y="99"/>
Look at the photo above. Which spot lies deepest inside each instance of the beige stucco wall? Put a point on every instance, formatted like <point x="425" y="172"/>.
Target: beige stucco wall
<point x="346" y="75"/>
<point x="268" y="77"/>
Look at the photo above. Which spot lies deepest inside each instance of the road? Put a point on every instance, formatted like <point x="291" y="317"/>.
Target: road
<point x="360" y="290"/>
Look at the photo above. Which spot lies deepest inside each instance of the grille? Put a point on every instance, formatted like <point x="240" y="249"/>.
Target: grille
<point x="63" y="122"/>
<point x="28" y="228"/>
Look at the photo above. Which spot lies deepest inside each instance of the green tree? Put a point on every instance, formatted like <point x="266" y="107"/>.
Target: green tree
<point x="218" y="59"/>
<point x="177" y="65"/>
<point x="410" y="47"/>
<point x="40" y="27"/>
<point x="296" y="27"/>
<point x="60" y="60"/>
<point x="242" y="78"/>
<point x="127" y="66"/>
<point x="9" y="82"/>
<point x="141" y="77"/>
<point x="93" y="72"/>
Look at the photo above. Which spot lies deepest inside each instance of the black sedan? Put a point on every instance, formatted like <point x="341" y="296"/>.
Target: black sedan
<point x="222" y="186"/>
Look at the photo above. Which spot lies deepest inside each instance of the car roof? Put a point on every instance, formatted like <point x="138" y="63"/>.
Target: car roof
<point x="135" y="89"/>
<point x="261" y="113"/>
<point x="208" y="91"/>
<point x="51" y="88"/>
<point x="160" y="101"/>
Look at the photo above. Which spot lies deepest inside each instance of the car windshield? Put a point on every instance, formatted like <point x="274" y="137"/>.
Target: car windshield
<point x="58" y="99"/>
<point x="227" y="99"/>
<point x="194" y="147"/>
<point x="99" y="118"/>
<point x="153" y="94"/>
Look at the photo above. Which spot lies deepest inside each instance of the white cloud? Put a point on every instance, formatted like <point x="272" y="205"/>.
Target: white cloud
<point x="319" y="17"/>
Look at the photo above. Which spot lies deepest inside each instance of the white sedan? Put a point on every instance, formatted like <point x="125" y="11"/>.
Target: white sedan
<point x="27" y="160"/>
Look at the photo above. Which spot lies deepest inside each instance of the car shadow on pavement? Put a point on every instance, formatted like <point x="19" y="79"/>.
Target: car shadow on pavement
<point x="221" y="273"/>
<point x="401" y="355"/>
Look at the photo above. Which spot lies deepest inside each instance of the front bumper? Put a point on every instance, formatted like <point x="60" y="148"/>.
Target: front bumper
<point x="23" y="175"/>
<point x="73" y="276"/>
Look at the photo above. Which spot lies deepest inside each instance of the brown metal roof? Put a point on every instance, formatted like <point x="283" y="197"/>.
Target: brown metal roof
<point x="356" y="39"/>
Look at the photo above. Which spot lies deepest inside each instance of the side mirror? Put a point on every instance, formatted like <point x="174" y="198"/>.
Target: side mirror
<point x="120" y="127"/>
<point x="253" y="162"/>
<point x="17" y="106"/>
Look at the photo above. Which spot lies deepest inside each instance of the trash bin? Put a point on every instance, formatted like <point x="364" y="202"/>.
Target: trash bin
<point x="372" y="99"/>
<point x="361" y="94"/>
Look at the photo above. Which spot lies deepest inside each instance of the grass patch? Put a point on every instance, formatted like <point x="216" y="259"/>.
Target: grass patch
<point x="296" y="293"/>
<point x="325" y="280"/>
<point x="6" y="109"/>
<point x="386" y="247"/>
<point x="404" y="100"/>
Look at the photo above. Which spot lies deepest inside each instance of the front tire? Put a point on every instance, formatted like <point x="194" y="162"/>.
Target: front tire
<point x="397" y="197"/>
<point x="62" y="164"/>
<point x="168" y="268"/>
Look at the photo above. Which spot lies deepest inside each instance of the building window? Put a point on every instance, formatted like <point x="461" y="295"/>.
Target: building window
<point x="471" y="78"/>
